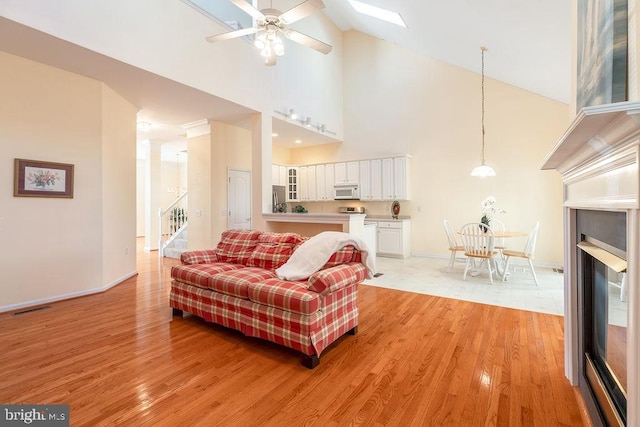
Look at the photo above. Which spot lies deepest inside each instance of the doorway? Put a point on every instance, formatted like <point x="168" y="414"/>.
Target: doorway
<point x="239" y="199"/>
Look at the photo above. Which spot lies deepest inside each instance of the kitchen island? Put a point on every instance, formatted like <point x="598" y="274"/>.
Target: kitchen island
<point x="310" y="224"/>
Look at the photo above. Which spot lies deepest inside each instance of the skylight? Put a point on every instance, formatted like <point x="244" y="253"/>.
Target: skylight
<point x="378" y="12"/>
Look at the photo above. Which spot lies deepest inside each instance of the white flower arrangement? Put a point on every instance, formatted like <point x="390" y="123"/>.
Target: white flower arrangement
<point x="489" y="208"/>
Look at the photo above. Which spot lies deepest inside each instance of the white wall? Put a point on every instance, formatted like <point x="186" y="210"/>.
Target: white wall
<point x="52" y="115"/>
<point x="167" y="37"/>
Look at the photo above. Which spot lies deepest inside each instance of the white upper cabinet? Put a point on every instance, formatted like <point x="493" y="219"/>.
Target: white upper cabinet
<point x="303" y="184"/>
<point x="346" y="173"/>
<point x="371" y="179"/>
<point x="388" y="191"/>
<point x="324" y="182"/>
<point x="329" y="180"/>
<point x="321" y="190"/>
<point x="312" y="183"/>
<point x="401" y="177"/>
<point x="292" y="184"/>
<point x="395" y="178"/>
<point x="278" y="175"/>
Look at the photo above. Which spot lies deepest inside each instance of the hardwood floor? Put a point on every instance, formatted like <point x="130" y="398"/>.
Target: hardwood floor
<point x="119" y="358"/>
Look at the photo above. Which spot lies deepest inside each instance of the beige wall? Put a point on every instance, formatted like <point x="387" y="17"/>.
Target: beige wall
<point x="118" y="196"/>
<point x="210" y="157"/>
<point x="52" y="115"/>
<point x="431" y="110"/>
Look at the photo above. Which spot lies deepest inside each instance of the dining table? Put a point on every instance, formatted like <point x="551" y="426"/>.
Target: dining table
<point x="500" y="235"/>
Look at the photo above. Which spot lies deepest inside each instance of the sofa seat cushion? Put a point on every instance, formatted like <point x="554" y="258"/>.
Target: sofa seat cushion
<point x="285" y="295"/>
<point x="199" y="274"/>
<point x="237" y="282"/>
<point x="236" y="246"/>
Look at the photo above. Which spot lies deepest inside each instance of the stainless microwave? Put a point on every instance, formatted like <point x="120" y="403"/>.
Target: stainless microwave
<point x="346" y="192"/>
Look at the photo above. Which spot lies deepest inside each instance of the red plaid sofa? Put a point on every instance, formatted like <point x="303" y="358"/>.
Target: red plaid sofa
<point x="235" y="285"/>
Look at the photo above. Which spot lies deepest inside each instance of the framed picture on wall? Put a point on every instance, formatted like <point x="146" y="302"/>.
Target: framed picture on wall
<point x="35" y="178"/>
<point x="602" y="52"/>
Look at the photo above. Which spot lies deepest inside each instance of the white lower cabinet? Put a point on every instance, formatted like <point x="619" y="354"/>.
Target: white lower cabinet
<point x="394" y="238"/>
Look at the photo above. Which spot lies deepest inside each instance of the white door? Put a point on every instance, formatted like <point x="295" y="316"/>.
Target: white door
<point x="239" y="199"/>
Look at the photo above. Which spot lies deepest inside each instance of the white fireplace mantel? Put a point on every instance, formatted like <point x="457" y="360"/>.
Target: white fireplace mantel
<point x="598" y="158"/>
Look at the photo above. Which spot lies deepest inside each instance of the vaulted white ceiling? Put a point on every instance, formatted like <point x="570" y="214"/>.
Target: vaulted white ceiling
<point x="529" y="47"/>
<point x="529" y="42"/>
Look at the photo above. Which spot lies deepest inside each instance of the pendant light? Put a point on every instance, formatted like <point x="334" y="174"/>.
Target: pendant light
<point x="483" y="170"/>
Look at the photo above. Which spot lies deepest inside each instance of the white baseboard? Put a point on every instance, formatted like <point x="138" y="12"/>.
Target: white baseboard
<point x="56" y="298"/>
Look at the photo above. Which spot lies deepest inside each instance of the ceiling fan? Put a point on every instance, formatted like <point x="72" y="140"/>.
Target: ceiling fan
<point x="271" y="23"/>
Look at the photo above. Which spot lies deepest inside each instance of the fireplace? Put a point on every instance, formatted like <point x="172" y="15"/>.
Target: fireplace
<point x="598" y="158"/>
<point x="602" y="313"/>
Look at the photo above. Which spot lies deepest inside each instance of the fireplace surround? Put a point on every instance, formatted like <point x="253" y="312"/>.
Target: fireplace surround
<point x="598" y="159"/>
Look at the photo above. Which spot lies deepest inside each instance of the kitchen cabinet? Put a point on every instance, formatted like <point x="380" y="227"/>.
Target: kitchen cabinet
<point x="370" y="180"/>
<point x="401" y="177"/>
<point x="324" y="182"/>
<point x="292" y="184"/>
<point x="394" y="238"/>
<point x="312" y="184"/>
<point x="303" y="183"/>
<point x="321" y="192"/>
<point x="370" y="236"/>
<point x="346" y="173"/>
<point x="278" y="175"/>
<point x="395" y="178"/>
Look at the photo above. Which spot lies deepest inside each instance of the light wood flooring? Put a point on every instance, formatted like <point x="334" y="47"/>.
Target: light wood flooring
<point x="120" y="358"/>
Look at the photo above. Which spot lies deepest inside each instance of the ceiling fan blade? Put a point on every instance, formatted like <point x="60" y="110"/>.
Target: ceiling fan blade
<point x="255" y="13"/>
<point x="301" y="11"/>
<point x="308" y="41"/>
<point x="232" y="34"/>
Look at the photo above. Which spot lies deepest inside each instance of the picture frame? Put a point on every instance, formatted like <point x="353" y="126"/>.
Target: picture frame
<point x="36" y="178"/>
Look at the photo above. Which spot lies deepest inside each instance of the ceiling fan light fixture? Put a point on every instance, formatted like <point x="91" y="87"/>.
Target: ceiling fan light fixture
<point x="260" y="40"/>
<point x="271" y="24"/>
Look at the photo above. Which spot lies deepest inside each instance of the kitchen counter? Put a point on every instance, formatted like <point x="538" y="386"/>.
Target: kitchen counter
<point x="386" y="218"/>
<point x="351" y="223"/>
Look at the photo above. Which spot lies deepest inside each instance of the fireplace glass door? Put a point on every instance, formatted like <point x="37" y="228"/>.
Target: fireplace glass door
<point x="605" y="335"/>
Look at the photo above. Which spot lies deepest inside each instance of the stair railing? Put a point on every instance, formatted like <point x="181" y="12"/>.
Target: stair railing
<point x="173" y="220"/>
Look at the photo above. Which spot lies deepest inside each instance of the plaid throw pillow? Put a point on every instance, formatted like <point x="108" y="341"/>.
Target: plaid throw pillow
<point x="270" y="255"/>
<point x="273" y="250"/>
<point x="236" y="246"/>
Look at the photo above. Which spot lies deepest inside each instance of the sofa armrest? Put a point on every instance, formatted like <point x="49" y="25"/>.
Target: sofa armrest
<point x="207" y="256"/>
<point x="332" y="279"/>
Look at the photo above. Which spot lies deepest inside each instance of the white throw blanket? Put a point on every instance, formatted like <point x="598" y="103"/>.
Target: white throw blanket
<point x="315" y="252"/>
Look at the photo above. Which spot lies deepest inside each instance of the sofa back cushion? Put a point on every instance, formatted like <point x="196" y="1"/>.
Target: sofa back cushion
<point x="273" y="250"/>
<point x="236" y="246"/>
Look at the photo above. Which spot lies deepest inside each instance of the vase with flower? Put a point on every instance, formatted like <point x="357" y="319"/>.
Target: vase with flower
<point x="488" y="209"/>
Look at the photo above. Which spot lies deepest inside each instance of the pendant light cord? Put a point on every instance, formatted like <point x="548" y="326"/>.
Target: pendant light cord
<point x="483" y="49"/>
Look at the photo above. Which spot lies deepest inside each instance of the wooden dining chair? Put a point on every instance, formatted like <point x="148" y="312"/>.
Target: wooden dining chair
<point x="454" y="247"/>
<point x="526" y="253"/>
<point x="478" y="242"/>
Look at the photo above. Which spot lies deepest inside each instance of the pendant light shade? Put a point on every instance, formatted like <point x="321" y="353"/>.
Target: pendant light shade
<point x="483" y="170"/>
